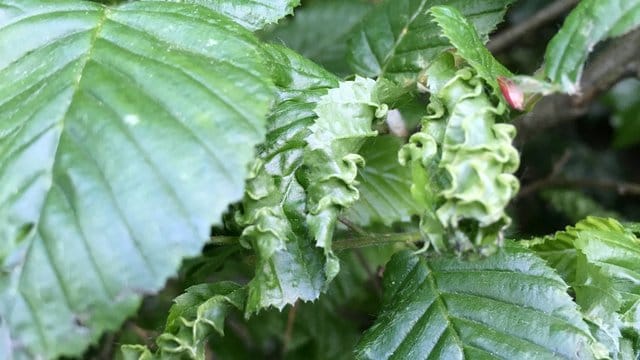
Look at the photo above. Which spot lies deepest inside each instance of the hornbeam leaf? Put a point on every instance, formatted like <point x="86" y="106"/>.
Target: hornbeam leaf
<point x="125" y="132"/>
<point x="398" y="38"/>
<point x="252" y="14"/>
<point x="589" y="23"/>
<point x="508" y="306"/>
<point x="289" y="266"/>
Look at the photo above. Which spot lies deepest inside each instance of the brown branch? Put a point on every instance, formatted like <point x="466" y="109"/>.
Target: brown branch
<point x="621" y="59"/>
<point x="622" y="188"/>
<point x="510" y="36"/>
<point x="291" y="319"/>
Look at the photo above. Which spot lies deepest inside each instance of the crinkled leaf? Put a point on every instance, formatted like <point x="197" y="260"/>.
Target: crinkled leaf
<point x="462" y="162"/>
<point x="196" y="314"/>
<point x="252" y="14"/>
<point x="589" y="23"/>
<point x="319" y="31"/>
<point x="469" y="45"/>
<point x="605" y="276"/>
<point x="398" y="38"/>
<point x="384" y="185"/>
<point x="509" y="305"/>
<point x="345" y="120"/>
<point x="289" y="266"/>
<point x="113" y="164"/>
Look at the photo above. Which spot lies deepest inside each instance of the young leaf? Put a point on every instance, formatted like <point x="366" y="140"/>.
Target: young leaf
<point x="113" y="164"/>
<point x="509" y="305"/>
<point x="469" y="45"/>
<point x="319" y="31"/>
<point x="589" y="23"/>
<point x="252" y="14"/>
<point x="196" y="314"/>
<point x="398" y="38"/>
<point x="384" y="185"/>
<point x="345" y="120"/>
<point x="289" y="266"/>
<point x="462" y="162"/>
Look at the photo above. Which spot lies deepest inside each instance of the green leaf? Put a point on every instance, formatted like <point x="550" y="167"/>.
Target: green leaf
<point x="196" y="314"/>
<point x="469" y="45"/>
<point x="589" y="23"/>
<point x="509" y="305"/>
<point x="319" y="31"/>
<point x="384" y="185"/>
<point x="290" y="266"/>
<point x="252" y="14"/>
<point x="345" y="119"/>
<point x="462" y="162"/>
<point x="601" y="264"/>
<point x="119" y="133"/>
<point x="398" y="39"/>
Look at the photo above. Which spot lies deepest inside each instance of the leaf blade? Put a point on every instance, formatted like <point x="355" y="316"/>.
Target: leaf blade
<point x="457" y="308"/>
<point x="106" y="196"/>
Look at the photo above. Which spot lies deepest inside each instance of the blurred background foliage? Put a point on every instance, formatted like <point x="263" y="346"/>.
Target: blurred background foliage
<point x="585" y="167"/>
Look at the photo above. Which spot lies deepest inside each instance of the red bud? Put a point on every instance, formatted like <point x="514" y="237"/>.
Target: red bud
<point x="511" y="92"/>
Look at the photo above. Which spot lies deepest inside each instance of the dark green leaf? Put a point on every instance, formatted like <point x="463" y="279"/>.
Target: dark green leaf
<point x="398" y="38"/>
<point x="319" y="31"/>
<point x="119" y="133"/>
<point x="589" y="23"/>
<point x="508" y="306"/>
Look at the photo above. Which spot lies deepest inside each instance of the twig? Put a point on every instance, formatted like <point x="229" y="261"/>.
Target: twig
<point x="291" y="319"/>
<point x="376" y="239"/>
<point x="353" y="227"/>
<point x="622" y="188"/>
<point x="621" y="59"/>
<point x="511" y="35"/>
<point x="344" y="244"/>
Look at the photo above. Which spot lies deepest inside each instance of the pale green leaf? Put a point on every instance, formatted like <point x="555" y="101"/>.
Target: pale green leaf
<point x="398" y="38"/>
<point x="119" y="133"/>
<point x="589" y="23"/>
<point x="507" y="306"/>
<point x="601" y="264"/>
<point x="289" y="266"/>
<point x="345" y="119"/>
<point x="252" y="14"/>
<point x="319" y="31"/>
<point x="384" y="185"/>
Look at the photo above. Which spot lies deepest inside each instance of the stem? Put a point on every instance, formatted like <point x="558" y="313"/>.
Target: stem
<point x="344" y="244"/>
<point x="375" y="239"/>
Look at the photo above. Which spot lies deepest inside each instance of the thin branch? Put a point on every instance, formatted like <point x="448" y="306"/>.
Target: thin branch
<point x="622" y="188"/>
<point x="291" y="319"/>
<point x="510" y="36"/>
<point x="376" y="239"/>
<point x="343" y="244"/>
<point x="621" y="59"/>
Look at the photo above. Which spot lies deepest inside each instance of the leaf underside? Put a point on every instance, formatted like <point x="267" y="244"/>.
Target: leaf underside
<point x="118" y="150"/>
